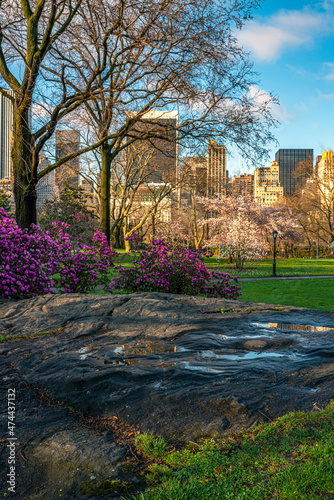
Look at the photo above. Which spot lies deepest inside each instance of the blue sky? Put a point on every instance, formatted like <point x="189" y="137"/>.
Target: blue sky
<point x="292" y="46"/>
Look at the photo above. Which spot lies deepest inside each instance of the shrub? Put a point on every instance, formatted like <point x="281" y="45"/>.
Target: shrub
<point x="82" y="268"/>
<point x="5" y="201"/>
<point x="161" y="269"/>
<point x="73" y="207"/>
<point x="27" y="260"/>
<point x="32" y="262"/>
<point x="107" y="255"/>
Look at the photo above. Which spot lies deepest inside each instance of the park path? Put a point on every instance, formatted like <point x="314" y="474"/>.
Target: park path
<point x="263" y="278"/>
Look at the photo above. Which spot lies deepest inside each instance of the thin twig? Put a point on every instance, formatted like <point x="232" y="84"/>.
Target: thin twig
<point x="265" y="416"/>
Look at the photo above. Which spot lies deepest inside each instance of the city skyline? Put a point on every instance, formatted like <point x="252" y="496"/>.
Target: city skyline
<point x="292" y="48"/>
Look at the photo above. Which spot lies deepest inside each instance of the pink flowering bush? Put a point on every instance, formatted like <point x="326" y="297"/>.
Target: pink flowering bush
<point x="107" y="255"/>
<point x="79" y="270"/>
<point x="75" y="208"/>
<point x="27" y="260"/>
<point x="33" y="262"/>
<point x="162" y="269"/>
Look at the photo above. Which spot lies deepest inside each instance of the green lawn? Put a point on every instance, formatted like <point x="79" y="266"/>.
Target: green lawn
<point x="312" y="293"/>
<point x="284" y="267"/>
<point x="291" y="458"/>
<point x="315" y="293"/>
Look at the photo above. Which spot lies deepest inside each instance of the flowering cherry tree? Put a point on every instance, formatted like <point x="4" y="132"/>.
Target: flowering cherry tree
<point x="243" y="229"/>
<point x="242" y="241"/>
<point x="177" y="234"/>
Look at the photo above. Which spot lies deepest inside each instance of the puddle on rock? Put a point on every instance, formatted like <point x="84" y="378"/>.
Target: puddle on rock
<point x="148" y="348"/>
<point x="83" y="352"/>
<point x="241" y="356"/>
<point x="294" y="328"/>
<point x="201" y="368"/>
<point x="113" y="362"/>
<point x="210" y="352"/>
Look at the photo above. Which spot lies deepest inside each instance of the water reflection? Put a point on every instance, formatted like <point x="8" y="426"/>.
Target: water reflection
<point x="148" y="348"/>
<point x="240" y="355"/>
<point x="83" y="352"/>
<point x="208" y="351"/>
<point x="295" y="328"/>
<point x="196" y="356"/>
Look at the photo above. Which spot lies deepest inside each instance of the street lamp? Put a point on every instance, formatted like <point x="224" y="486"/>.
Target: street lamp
<point x="275" y="233"/>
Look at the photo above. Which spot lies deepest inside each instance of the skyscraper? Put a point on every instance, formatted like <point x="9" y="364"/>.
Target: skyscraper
<point x="267" y="188"/>
<point x="67" y="142"/>
<point x="294" y="165"/>
<point x="158" y="152"/>
<point x="46" y="187"/>
<point x="194" y="174"/>
<point x="6" y="127"/>
<point x="325" y="176"/>
<point x="243" y="185"/>
<point x="217" y="173"/>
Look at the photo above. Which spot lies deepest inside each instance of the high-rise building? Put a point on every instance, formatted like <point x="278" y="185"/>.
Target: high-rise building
<point x="294" y="167"/>
<point x="155" y="155"/>
<point x="243" y="185"/>
<point x="267" y="188"/>
<point x="194" y="174"/>
<point x="325" y="175"/>
<point x="46" y="187"/>
<point x="85" y="185"/>
<point x="217" y="175"/>
<point x="6" y="130"/>
<point x="67" y="142"/>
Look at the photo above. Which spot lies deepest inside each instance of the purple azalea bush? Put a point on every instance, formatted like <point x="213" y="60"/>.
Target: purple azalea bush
<point x="27" y="260"/>
<point x="82" y="268"/>
<point x="33" y="262"/>
<point x="161" y="269"/>
<point x="107" y="255"/>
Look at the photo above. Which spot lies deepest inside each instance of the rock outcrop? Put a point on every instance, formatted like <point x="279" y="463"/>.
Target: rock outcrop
<point x="90" y="370"/>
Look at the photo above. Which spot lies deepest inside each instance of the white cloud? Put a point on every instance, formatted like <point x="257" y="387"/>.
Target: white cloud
<point x="327" y="97"/>
<point x="283" y="31"/>
<point x="330" y="75"/>
<point x="279" y="111"/>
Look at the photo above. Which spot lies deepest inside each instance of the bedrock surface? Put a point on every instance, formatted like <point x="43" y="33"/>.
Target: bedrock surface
<point x="175" y="365"/>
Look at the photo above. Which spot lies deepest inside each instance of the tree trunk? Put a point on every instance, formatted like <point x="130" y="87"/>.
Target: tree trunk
<point x="153" y="227"/>
<point x="105" y="190"/>
<point x="126" y="233"/>
<point x="198" y="239"/>
<point x="25" y="171"/>
<point x="117" y="236"/>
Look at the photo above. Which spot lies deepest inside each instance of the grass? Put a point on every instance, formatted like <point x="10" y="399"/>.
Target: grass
<point x="291" y="458"/>
<point x="152" y="446"/>
<point x="314" y="294"/>
<point x="284" y="267"/>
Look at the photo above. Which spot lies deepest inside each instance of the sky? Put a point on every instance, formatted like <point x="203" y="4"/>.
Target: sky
<point x="292" y="47"/>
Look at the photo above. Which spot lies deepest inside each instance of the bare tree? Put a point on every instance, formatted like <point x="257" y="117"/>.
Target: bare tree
<point x="29" y="32"/>
<point x="313" y="202"/>
<point x="165" y="54"/>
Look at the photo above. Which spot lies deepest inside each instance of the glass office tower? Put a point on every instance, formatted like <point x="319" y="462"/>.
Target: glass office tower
<point x="6" y="127"/>
<point x="289" y="160"/>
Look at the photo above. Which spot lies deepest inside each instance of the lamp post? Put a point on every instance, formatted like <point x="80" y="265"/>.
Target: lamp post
<point x="275" y="233"/>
